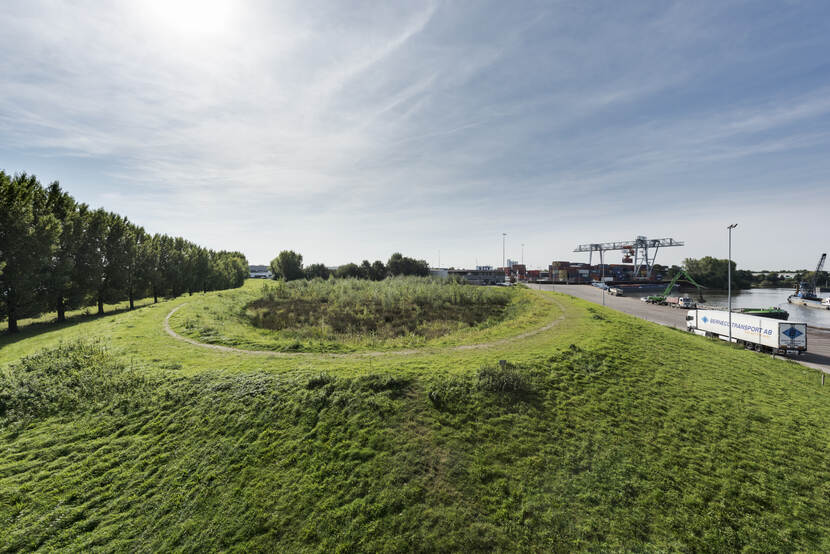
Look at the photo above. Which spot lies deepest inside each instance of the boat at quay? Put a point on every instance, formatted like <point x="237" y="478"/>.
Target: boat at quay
<point x="810" y="301"/>
<point x="805" y="292"/>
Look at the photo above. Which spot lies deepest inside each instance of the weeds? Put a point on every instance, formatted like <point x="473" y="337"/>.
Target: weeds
<point x="450" y="393"/>
<point x="57" y="381"/>
<point x="346" y="315"/>
<point x="393" y="308"/>
<point x="503" y="379"/>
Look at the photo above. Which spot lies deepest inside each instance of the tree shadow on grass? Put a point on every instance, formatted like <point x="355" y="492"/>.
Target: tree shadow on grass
<point x="36" y="328"/>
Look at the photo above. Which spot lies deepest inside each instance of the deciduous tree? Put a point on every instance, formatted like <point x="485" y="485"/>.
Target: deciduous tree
<point x="317" y="270"/>
<point x="288" y="265"/>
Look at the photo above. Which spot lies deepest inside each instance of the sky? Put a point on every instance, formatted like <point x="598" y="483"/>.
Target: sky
<point x="352" y="130"/>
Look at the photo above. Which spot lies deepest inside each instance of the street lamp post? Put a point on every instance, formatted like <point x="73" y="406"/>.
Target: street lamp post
<point x="602" y="283"/>
<point x="729" y="279"/>
<point x="503" y="259"/>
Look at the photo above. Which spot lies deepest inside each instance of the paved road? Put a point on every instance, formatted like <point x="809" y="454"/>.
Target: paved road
<point x="818" y="341"/>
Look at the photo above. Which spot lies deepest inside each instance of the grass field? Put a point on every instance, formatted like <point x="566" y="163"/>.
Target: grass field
<point x="602" y="433"/>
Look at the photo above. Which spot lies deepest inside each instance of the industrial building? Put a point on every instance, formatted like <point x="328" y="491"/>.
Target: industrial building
<point x="479" y="276"/>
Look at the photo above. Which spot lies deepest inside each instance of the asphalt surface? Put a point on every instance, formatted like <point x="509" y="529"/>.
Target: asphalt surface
<point x="818" y="340"/>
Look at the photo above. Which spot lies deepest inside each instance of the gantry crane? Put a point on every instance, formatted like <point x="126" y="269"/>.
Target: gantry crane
<point x="638" y="249"/>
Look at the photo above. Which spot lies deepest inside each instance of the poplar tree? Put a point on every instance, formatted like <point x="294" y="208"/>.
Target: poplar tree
<point x="134" y="239"/>
<point x="28" y="238"/>
<point x="89" y="271"/>
<point x="116" y="261"/>
<point x="56" y="254"/>
<point x="60" y="285"/>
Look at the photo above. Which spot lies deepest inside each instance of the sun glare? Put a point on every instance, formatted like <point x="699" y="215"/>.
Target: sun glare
<point x="190" y="17"/>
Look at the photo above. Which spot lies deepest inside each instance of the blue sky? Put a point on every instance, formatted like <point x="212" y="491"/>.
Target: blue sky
<point x="352" y="130"/>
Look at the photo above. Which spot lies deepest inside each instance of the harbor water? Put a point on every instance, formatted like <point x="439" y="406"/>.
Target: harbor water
<point x="767" y="298"/>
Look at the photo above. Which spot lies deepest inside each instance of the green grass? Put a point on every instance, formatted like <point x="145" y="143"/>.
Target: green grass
<point x="46" y="321"/>
<point x="602" y="433"/>
<point x="349" y="315"/>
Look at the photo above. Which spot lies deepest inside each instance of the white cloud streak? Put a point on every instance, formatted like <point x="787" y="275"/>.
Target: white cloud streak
<point x="350" y="130"/>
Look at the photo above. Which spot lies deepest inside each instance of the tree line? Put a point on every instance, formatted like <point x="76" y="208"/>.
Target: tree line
<point x="57" y="254"/>
<point x="713" y="273"/>
<point x="288" y="265"/>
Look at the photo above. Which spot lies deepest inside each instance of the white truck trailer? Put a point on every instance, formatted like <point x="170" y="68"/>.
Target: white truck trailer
<point x="761" y="333"/>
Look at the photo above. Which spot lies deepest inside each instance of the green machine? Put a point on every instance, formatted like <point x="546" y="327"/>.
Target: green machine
<point x="661" y="298"/>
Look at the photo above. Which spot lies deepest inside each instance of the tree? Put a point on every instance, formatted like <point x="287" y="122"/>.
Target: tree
<point x="28" y="238"/>
<point x="199" y="269"/>
<point x="317" y="270"/>
<point x="288" y="265"/>
<point x="149" y="265"/>
<point x="378" y="271"/>
<point x="133" y="242"/>
<point x="401" y="265"/>
<point x="713" y="273"/>
<point x="395" y="264"/>
<point x="88" y="274"/>
<point x="228" y="269"/>
<point x="56" y="254"/>
<point x="175" y="268"/>
<point x="60" y="286"/>
<point x="365" y="270"/>
<point x="672" y="271"/>
<point x="239" y="268"/>
<point x="116" y="261"/>
<point x="348" y="271"/>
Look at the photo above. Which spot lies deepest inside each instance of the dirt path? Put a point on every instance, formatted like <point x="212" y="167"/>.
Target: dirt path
<point x="408" y="352"/>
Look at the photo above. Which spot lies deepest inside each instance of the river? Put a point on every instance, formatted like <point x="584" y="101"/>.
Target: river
<point x="766" y="298"/>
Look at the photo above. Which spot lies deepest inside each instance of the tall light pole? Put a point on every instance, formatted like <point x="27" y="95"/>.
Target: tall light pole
<point x="729" y="278"/>
<point x="503" y="262"/>
<point x="523" y="253"/>
<point x="602" y="277"/>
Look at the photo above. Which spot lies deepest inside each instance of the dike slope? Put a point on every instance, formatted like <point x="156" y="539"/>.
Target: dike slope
<point x="602" y="433"/>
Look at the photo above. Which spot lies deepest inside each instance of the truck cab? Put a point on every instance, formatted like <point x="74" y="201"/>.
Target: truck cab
<point x="686" y="302"/>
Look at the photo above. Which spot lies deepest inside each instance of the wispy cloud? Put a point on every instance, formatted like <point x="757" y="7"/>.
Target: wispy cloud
<point x="350" y="130"/>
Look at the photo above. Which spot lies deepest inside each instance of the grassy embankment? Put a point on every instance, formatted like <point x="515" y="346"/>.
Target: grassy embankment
<point x="48" y="321"/>
<point x="604" y="432"/>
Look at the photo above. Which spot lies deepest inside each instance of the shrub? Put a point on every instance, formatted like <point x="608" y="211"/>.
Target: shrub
<point x="396" y="386"/>
<point x="72" y="376"/>
<point x="450" y="394"/>
<point x="576" y="360"/>
<point x="318" y="381"/>
<point x="502" y="379"/>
